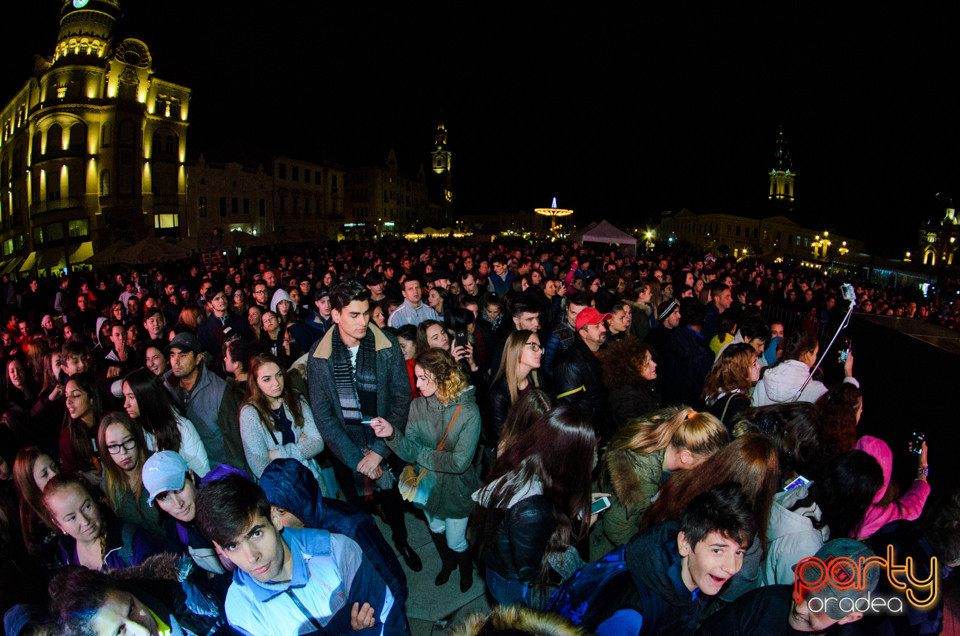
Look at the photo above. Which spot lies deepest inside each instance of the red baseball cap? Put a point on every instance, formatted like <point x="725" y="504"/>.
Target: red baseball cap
<point x="590" y="316"/>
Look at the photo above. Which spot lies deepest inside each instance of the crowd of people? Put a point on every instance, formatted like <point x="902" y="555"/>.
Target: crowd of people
<point x="615" y="444"/>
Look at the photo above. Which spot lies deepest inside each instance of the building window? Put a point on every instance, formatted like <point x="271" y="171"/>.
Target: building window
<point x="166" y="221"/>
<point x="203" y="207"/>
<point x="79" y="228"/>
<point x="306" y="175"/>
<point x="234" y="206"/>
<point x="316" y="178"/>
<point x="105" y="183"/>
<point x="37" y="236"/>
<point x="223" y="206"/>
<point x="282" y="171"/>
<point x="53" y="184"/>
<point x="246" y="207"/>
<point x="263" y="208"/>
<point x="738" y="230"/>
<point x="295" y="173"/>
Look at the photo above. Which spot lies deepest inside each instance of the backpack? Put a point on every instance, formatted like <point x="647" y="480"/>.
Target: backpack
<point x="596" y="591"/>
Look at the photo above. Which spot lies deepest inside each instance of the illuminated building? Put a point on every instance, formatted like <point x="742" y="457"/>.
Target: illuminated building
<point x="782" y="176"/>
<point x="440" y="180"/>
<point x="380" y="200"/>
<point x="939" y="238"/>
<point x="91" y="148"/>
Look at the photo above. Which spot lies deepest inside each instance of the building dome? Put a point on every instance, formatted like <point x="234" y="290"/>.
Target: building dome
<point x="86" y="30"/>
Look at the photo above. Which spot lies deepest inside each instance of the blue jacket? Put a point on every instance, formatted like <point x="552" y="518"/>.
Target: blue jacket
<point x="291" y="486"/>
<point x="659" y="601"/>
<point x="330" y="574"/>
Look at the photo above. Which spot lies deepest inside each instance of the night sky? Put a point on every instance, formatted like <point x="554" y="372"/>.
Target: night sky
<point x="618" y="115"/>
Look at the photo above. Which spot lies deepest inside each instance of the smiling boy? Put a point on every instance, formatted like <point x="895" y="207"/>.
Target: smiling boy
<point x="300" y="581"/>
<point x="676" y="567"/>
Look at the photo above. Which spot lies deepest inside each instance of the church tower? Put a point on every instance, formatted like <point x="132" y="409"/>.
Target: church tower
<point x="441" y="154"/>
<point x="440" y="183"/>
<point x="782" y="175"/>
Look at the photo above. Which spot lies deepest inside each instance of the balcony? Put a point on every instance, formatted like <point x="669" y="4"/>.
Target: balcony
<point x="56" y="204"/>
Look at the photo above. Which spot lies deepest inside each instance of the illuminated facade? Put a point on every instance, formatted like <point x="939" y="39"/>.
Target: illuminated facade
<point x="744" y="236"/>
<point x="92" y="147"/>
<point x="782" y="175"/>
<point x="380" y="200"/>
<point x="939" y="239"/>
<point x="440" y="180"/>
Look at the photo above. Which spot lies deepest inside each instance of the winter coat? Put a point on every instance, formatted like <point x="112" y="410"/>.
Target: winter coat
<point x="659" y="601"/>
<point x="687" y="360"/>
<point x="126" y="545"/>
<point x="454" y="466"/>
<point x="781" y="383"/>
<point x="791" y="535"/>
<point x="909" y="506"/>
<point x="393" y="398"/>
<point x="578" y="378"/>
<point x="259" y="439"/>
<point x="632" y="479"/>
<point x="525" y="525"/>
<point x="330" y="574"/>
<point x="630" y="401"/>
<point x="191" y="446"/>
<point x="289" y="485"/>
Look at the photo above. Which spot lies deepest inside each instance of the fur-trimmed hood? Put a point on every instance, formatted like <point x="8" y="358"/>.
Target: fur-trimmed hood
<point x="626" y="468"/>
<point x="519" y="619"/>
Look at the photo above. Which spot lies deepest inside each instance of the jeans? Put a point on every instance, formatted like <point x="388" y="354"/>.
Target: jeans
<point x="455" y="530"/>
<point x="507" y="591"/>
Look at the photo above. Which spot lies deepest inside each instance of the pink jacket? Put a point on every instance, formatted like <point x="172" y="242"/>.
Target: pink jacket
<point x="909" y="506"/>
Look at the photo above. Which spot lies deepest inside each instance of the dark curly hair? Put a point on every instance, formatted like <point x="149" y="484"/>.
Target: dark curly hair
<point x="622" y="363"/>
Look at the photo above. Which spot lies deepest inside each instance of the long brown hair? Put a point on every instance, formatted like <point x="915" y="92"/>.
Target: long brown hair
<point x="730" y="373"/>
<point x="751" y="461"/>
<point x="116" y="484"/>
<point x="31" y="497"/>
<point x="80" y="446"/>
<point x="559" y="451"/>
<point x="258" y="400"/>
<point x="510" y="362"/>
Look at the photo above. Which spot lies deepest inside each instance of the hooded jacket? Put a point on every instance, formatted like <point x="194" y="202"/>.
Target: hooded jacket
<point x="289" y="485"/>
<point x="780" y="384"/>
<point x="909" y="506"/>
<point x="659" y="601"/>
<point x="456" y="473"/>
<point x="791" y="535"/>
<point x="632" y="479"/>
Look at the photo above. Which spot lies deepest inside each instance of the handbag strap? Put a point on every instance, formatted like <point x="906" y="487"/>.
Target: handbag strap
<point x="449" y="426"/>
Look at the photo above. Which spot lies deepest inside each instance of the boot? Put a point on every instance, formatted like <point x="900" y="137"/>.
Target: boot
<point x="408" y="555"/>
<point x="447" y="558"/>
<point x="466" y="570"/>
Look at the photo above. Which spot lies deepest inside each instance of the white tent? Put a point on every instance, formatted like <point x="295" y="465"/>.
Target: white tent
<point x="604" y="232"/>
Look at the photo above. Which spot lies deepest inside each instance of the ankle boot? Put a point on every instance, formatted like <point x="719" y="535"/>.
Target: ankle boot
<point x="447" y="558"/>
<point x="466" y="569"/>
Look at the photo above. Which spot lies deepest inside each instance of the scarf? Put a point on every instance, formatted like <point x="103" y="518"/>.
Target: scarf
<point x="357" y="392"/>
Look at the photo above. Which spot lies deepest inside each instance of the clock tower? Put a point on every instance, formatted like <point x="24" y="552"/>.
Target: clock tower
<point x="782" y="175"/>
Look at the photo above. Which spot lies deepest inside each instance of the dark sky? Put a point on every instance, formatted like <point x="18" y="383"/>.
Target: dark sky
<point x="619" y="115"/>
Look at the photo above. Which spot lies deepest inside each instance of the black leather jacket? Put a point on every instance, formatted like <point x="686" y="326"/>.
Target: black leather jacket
<point x="516" y="551"/>
<point x="578" y="380"/>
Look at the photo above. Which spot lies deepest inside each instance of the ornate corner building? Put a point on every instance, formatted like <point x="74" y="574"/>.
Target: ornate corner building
<point x="92" y="148"/>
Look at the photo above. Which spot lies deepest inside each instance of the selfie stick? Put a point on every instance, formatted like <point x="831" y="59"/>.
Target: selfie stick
<point x="850" y="295"/>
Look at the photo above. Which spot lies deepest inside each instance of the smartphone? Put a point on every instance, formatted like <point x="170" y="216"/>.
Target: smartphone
<point x="916" y="443"/>
<point x="459" y="339"/>
<point x="796" y="483"/>
<point x="599" y="505"/>
<point x="845" y="346"/>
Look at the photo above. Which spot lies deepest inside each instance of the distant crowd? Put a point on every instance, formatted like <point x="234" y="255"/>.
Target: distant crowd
<point x="616" y="444"/>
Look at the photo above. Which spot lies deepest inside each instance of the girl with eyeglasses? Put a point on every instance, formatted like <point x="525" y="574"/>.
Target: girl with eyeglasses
<point x="124" y="452"/>
<point x="517" y="374"/>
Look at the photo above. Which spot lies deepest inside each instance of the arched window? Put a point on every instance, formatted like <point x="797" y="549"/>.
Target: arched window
<point x="106" y="134"/>
<point x="36" y="150"/>
<point x="105" y="183"/>
<point x="54" y="139"/>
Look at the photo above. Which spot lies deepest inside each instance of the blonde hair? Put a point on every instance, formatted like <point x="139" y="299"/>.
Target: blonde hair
<point x="510" y="362"/>
<point x="683" y="428"/>
<point x="446" y="372"/>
